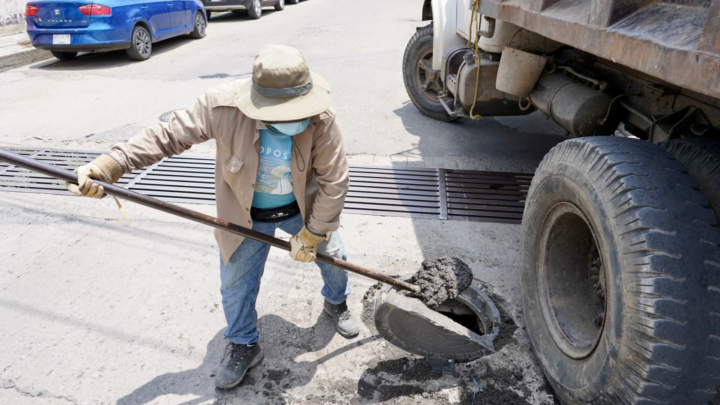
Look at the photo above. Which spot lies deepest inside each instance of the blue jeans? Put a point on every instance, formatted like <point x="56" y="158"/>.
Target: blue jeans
<point x="240" y="279"/>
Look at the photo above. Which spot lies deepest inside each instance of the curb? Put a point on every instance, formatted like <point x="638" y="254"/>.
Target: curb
<point x="23" y="58"/>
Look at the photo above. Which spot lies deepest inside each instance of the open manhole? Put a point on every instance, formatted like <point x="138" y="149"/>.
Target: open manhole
<point x="461" y="329"/>
<point x="463" y="315"/>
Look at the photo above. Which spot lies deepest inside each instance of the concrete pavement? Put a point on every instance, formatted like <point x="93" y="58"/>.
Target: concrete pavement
<point x="100" y="313"/>
<point x="96" y="313"/>
<point x="15" y="50"/>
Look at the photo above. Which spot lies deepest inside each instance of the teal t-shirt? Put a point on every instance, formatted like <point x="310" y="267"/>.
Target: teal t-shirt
<point x="274" y="186"/>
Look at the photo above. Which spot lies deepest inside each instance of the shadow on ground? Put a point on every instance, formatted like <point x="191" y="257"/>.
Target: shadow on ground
<point x="224" y="17"/>
<point x="510" y="144"/>
<point x="111" y="59"/>
<point x="282" y="341"/>
<point x="188" y="382"/>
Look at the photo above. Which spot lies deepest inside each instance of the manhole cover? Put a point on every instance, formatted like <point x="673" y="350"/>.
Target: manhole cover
<point x="165" y="117"/>
<point x="408" y="324"/>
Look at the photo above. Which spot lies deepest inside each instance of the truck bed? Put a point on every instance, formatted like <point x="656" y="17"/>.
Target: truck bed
<point x="677" y="41"/>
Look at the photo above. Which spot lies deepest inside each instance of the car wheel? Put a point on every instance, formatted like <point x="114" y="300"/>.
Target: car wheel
<point x="140" y="44"/>
<point x="64" y="55"/>
<point x="255" y="10"/>
<point x="422" y="92"/>
<point x="280" y="5"/>
<point x="200" y="25"/>
<point x="619" y="275"/>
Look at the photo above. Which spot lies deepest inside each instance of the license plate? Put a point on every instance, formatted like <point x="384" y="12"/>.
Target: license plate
<point x="61" y="39"/>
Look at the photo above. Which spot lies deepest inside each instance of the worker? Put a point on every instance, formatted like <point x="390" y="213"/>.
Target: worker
<point x="280" y="163"/>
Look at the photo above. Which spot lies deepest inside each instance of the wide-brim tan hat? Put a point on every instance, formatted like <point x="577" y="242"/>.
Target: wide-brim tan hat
<point x="282" y="87"/>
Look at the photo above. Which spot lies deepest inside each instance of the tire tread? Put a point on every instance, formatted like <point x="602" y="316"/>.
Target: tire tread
<point x="701" y="157"/>
<point x="671" y="231"/>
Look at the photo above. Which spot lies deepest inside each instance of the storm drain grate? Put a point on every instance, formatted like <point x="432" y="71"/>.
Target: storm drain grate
<point x="374" y="190"/>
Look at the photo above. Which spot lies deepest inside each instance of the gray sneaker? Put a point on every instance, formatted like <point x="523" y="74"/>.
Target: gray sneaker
<point x="236" y="362"/>
<point x="345" y="323"/>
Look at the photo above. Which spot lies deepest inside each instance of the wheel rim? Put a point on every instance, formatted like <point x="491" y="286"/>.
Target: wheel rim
<point x="258" y="7"/>
<point x="571" y="281"/>
<point x="282" y="3"/>
<point x="142" y="43"/>
<point x="200" y="24"/>
<point x="429" y="88"/>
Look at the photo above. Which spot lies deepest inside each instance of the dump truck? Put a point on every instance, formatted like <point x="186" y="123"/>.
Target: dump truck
<point x="620" y="242"/>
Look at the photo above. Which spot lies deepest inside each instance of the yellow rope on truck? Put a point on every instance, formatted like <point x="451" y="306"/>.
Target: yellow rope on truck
<point x="475" y="11"/>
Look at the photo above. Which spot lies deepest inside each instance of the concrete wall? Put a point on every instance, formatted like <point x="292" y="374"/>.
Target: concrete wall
<point x="12" y="16"/>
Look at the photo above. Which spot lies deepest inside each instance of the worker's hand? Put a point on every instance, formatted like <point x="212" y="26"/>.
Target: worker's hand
<point x="103" y="168"/>
<point x="303" y="246"/>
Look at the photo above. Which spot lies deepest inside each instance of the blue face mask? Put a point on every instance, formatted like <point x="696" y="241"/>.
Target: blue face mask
<point x="290" y="128"/>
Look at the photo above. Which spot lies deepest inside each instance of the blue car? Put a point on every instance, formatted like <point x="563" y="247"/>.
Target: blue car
<point x="66" y="27"/>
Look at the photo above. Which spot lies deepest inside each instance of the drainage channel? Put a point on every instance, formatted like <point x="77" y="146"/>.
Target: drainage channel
<point x="460" y="195"/>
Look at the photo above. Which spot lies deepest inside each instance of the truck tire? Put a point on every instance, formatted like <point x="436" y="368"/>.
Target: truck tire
<point x="420" y="47"/>
<point x="701" y="158"/>
<point x="620" y="275"/>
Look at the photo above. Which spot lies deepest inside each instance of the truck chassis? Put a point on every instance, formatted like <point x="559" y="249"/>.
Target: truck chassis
<point x="620" y="243"/>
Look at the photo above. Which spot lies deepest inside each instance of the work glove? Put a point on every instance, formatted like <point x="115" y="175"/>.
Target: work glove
<point x="103" y="168"/>
<point x="303" y="246"/>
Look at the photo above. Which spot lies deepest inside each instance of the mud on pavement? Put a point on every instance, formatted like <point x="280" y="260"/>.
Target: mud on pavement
<point x="508" y="376"/>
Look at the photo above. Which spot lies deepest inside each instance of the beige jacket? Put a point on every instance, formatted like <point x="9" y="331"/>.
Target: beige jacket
<point x="319" y="166"/>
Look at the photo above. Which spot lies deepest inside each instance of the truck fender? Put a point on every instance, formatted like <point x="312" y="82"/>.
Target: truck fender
<point x="427" y="11"/>
<point x="444" y="30"/>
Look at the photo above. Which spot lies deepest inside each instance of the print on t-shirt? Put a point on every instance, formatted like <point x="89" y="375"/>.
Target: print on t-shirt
<point x="274" y="187"/>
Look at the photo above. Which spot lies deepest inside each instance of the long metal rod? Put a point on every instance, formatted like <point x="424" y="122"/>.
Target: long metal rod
<point x="70" y="176"/>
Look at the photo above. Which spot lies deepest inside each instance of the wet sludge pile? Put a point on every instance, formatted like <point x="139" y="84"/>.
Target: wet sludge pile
<point x="510" y="375"/>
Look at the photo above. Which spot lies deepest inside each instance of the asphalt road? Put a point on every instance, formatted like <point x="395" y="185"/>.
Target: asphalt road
<point x="94" y="312"/>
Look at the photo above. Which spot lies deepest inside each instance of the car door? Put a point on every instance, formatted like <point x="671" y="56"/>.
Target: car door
<point x="157" y="14"/>
<point x="192" y="7"/>
<point x="178" y="16"/>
